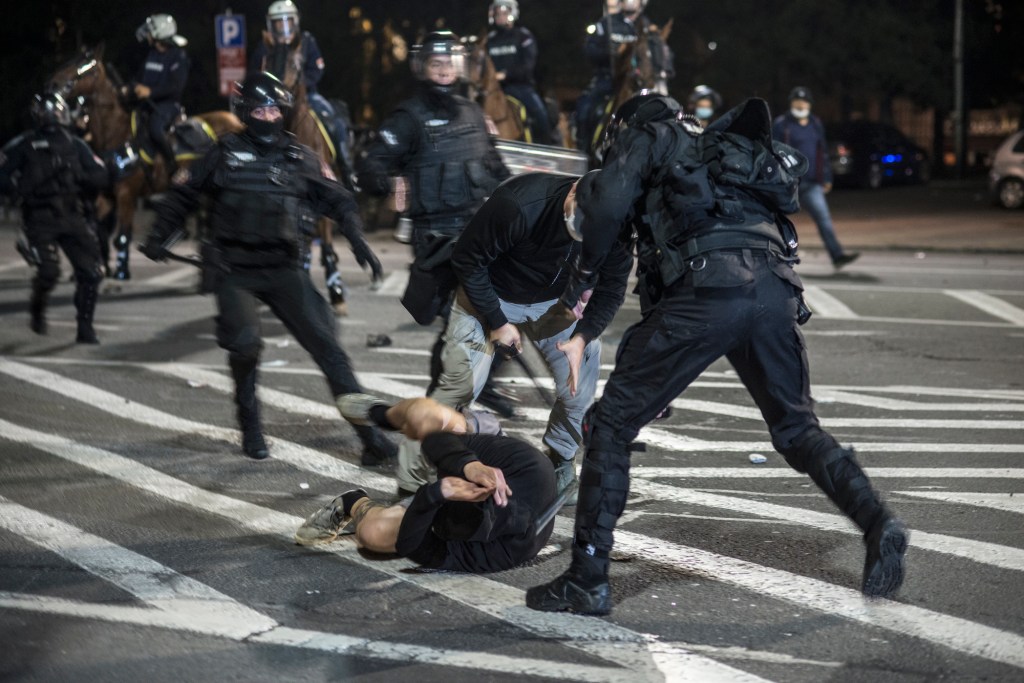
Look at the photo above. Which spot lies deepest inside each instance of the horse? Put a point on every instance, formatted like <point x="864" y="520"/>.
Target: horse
<point x="634" y="72"/>
<point x="110" y="128"/>
<point x="507" y="113"/>
<point x="309" y="130"/>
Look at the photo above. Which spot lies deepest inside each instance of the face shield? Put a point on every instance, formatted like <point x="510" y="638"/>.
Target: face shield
<point x="283" y="27"/>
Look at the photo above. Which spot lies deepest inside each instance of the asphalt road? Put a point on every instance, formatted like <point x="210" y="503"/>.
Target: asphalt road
<point x="136" y="542"/>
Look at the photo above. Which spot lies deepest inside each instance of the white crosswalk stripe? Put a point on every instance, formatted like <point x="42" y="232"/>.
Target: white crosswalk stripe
<point x="640" y="656"/>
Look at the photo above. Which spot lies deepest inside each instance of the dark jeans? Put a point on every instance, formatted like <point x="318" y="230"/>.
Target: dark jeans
<point x="540" y="124"/>
<point x="292" y="297"/>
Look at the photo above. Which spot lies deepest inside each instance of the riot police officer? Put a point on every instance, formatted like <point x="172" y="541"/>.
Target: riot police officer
<point x="439" y="141"/>
<point x="513" y="50"/>
<point x="604" y="37"/>
<point x="272" y="53"/>
<point x="161" y="81"/>
<point x="265" y="186"/>
<point x="53" y="173"/>
<point x="724" y="252"/>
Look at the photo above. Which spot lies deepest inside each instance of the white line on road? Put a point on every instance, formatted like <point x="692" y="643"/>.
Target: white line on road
<point x="172" y="277"/>
<point x="316" y="640"/>
<point x="146" y="579"/>
<point x="954" y="633"/>
<point x="989" y="304"/>
<point x="496" y="599"/>
<point x="826" y="305"/>
<point x="1007" y="502"/>
<point x="395" y="283"/>
<point x="753" y="472"/>
<point x="991" y="554"/>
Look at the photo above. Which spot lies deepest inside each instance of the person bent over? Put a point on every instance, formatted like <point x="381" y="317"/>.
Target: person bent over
<point x="489" y="510"/>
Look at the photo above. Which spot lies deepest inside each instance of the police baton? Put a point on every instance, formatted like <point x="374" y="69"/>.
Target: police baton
<point x="552" y="510"/>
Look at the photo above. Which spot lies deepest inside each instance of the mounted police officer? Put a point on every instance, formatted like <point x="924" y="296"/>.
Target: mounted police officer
<point x="53" y="172"/>
<point x="161" y="81"/>
<point x="715" y="206"/>
<point x="272" y="54"/>
<point x="266" y="188"/>
<point x="513" y="50"/>
<point x="604" y="38"/>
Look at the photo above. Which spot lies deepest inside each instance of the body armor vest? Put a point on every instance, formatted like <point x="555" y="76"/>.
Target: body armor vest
<point x="448" y="176"/>
<point x="260" y="212"/>
<point x="49" y="177"/>
<point x="721" y="191"/>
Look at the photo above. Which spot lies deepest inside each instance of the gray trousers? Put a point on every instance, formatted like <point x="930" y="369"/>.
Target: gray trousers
<point x="466" y="363"/>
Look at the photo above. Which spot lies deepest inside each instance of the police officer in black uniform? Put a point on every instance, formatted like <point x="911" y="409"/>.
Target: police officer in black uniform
<point x="439" y="141"/>
<point x="54" y="173"/>
<point x="716" y="206"/>
<point x="264" y="187"/>
<point x="513" y="50"/>
<point x="604" y="38"/>
<point x="161" y="80"/>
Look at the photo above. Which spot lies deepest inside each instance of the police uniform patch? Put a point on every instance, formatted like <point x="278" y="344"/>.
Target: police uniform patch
<point x="389" y="137"/>
<point x="181" y="176"/>
<point x="277" y="176"/>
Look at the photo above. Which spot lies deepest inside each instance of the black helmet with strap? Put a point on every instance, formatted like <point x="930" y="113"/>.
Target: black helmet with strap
<point x="647" y="107"/>
<point x="261" y="89"/>
<point x="50" y="109"/>
<point x="436" y="43"/>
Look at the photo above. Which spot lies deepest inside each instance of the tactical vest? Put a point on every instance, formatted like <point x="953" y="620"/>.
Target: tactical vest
<point x="260" y="212"/>
<point x="448" y="176"/>
<point x="721" y="191"/>
<point x="49" y="176"/>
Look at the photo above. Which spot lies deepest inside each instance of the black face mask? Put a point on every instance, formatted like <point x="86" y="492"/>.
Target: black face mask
<point x="265" y="131"/>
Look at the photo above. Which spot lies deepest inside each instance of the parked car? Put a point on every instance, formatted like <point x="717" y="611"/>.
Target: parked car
<point x="868" y="154"/>
<point x="1006" y="179"/>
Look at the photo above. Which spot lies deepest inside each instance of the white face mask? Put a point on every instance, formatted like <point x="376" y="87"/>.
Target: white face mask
<point x="800" y="112"/>
<point x="704" y="112"/>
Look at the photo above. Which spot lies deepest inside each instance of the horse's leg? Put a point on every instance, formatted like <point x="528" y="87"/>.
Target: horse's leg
<point x="106" y="219"/>
<point x="126" y="193"/>
<point x="329" y="260"/>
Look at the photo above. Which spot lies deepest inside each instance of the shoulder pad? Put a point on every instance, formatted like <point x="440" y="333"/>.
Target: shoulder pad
<point x="791" y="159"/>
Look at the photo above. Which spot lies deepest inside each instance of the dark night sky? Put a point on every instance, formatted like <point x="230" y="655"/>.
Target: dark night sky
<point x="764" y="46"/>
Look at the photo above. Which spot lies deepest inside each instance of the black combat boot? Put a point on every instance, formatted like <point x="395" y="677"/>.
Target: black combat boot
<point x="37" y="308"/>
<point x="86" y="293"/>
<point x="244" y="372"/>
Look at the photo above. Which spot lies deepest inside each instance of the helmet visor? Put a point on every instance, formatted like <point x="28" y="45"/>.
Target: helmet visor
<point x="283" y="27"/>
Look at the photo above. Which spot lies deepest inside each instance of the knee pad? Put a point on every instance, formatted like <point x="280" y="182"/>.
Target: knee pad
<point x="604" y="488"/>
<point x="810" y="446"/>
<point x="246" y="346"/>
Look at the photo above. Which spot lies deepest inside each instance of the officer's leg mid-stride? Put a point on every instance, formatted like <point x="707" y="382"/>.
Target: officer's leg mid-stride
<point x="755" y="325"/>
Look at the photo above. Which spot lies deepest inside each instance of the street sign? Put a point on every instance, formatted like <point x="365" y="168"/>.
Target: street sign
<point x="229" y="30"/>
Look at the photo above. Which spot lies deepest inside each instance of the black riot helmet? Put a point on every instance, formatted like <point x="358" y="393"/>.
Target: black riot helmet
<point x="443" y="43"/>
<point x="262" y="89"/>
<point x="647" y="107"/>
<point x="50" y="109"/>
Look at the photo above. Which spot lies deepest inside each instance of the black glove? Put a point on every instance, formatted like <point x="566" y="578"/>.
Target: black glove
<point x="365" y="256"/>
<point x="154" y="251"/>
<point x="579" y="282"/>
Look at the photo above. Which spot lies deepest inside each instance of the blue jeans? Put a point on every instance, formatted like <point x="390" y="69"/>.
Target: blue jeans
<point x="812" y="200"/>
<point x="466" y="363"/>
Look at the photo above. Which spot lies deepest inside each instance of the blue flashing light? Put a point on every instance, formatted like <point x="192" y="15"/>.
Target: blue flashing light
<point x="892" y="158"/>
